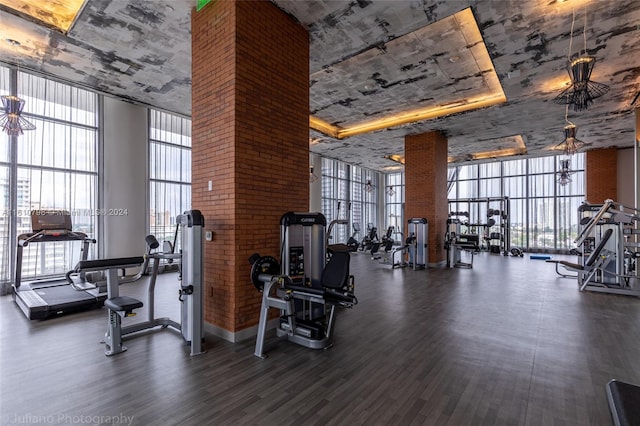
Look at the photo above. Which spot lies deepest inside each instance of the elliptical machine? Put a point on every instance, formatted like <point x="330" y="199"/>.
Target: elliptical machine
<point x="304" y="288"/>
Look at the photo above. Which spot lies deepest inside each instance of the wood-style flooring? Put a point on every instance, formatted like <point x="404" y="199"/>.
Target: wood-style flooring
<point x="505" y="343"/>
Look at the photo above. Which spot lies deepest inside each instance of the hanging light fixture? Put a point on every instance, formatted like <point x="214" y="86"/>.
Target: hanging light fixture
<point x="571" y="144"/>
<point x="390" y="191"/>
<point x="312" y="175"/>
<point x="565" y="172"/>
<point x="11" y="120"/>
<point x="369" y="187"/>
<point x="582" y="91"/>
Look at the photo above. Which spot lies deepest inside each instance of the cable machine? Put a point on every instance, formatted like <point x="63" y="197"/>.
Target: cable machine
<point x="608" y="239"/>
<point x="485" y="220"/>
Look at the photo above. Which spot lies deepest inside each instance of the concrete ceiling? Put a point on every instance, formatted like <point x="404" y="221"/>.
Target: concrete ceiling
<point x="375" y="58"/>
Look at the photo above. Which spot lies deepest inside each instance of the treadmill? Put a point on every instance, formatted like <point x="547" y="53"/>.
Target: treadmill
<point x="47" y="299"/>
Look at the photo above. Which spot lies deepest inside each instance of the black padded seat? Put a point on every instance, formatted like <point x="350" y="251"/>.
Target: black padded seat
<point x="334" y="248"/>
<point x="336" y="273"/>
<point x="624" y="403"/>
<point x="122" y="303"/>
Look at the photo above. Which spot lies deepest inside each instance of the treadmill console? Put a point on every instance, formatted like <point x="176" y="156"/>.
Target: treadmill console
<point x="51" y="222"/>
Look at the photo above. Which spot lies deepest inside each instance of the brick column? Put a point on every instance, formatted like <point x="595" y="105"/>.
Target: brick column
<point x="250" y="137"/>
<point x="602" y="177"/>
<point x="426" y="187"/>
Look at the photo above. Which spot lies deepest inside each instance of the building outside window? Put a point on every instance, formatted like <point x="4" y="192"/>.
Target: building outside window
<point x="54" y="167"/>
<point x="169" y="172"/>
<point x="543" y="213"/>
<point x="394" y="212"/>
<point x="347" y="185"/>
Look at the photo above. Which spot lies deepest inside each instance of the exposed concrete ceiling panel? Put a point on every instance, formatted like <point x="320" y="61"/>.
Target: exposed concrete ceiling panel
<point x="140" y="50"/>
<point x="135" y="49"/>
<point x="405" y="73"/>
<point x="528" y="43"/>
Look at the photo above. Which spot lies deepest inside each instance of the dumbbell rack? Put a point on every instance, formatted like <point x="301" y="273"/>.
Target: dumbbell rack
<point x="488" y="217"/>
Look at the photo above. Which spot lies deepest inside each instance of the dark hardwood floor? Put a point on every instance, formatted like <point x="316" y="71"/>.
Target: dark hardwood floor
<point x="505" y="343"/>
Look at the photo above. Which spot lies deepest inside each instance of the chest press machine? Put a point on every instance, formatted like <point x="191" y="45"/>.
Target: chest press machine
<point x="190" y="294"/>
<point x="304" y="288"/>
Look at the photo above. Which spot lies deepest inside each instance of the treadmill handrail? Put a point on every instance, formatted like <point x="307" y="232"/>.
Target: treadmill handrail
<point x="42" y="237"/>
<point x="47" y="237"/>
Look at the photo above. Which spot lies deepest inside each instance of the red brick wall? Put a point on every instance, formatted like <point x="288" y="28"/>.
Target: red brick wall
<point x="426" y="186"/>
<point x="250" y="136"/>
<point x="602" y="175"/>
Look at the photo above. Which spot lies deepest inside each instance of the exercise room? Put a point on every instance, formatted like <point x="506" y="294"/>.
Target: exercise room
<point x="235" y="212"/>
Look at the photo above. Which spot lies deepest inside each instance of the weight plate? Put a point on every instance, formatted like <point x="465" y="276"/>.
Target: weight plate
<point x="264" y="265"/>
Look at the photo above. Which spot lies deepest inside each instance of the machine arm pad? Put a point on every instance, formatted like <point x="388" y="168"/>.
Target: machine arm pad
<point x="102" y="264"/>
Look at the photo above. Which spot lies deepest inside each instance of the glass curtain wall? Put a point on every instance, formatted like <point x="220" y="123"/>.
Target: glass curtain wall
<point x="54" y="167"/>
<point x="346" y="186"/>
<point x="543" y="213"/>
<point x="169" y="172"/>
<point x="5" y="207"/>
<point x="394" y="210"/>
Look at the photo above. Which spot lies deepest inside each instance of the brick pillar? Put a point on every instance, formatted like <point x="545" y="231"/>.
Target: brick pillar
<point x="250" y="137"/>
<point x="426" y="187"/>
<point x="602" y="175"/>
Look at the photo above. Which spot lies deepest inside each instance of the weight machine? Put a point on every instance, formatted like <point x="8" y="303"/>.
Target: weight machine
<point x="303" y="287"/>
<point x="190" y="293"/>
<point x="458" y="240"/>
<point x="418" y="242"/>
<point x="609" y="249"/>
<point x="487" y="221"/>
<point x="351" y="244"/>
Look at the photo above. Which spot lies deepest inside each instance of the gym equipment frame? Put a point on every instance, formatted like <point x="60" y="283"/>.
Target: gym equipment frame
<point x="418" y="229"/>
<point x="623" y="403"/>
<point x="191" y="324"/>
<point x="47" y="299"/>
<point x="457" y="242"/>
<point x="608" y="239"/>
<point x="495" y="230"/>
<point x="304" y="288"/>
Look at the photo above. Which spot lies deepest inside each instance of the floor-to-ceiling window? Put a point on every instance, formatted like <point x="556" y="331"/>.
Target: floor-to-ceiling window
<point x="5" y="205"/>
<point x="354" y="190"/>
<point x="169" y="172"/>
<point x="369" y="193"/>
<point x="543" y="213"/>
<point x="394" y="197"/>
<point x="54" y="167"/>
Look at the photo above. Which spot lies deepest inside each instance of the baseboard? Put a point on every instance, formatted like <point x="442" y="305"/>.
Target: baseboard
<point x="238" y="336"/>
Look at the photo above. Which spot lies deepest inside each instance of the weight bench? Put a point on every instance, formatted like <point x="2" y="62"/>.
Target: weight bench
<point x="116" y="304"/>
<point x="594" y="262"/>
<point x="624" y="403"/>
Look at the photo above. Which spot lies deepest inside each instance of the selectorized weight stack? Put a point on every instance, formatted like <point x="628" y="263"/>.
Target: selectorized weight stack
<point x="190" y="294"/>
<point x="303" y="247"/>
<point x="307" y="291"/>
<point x="418" y="228"/>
